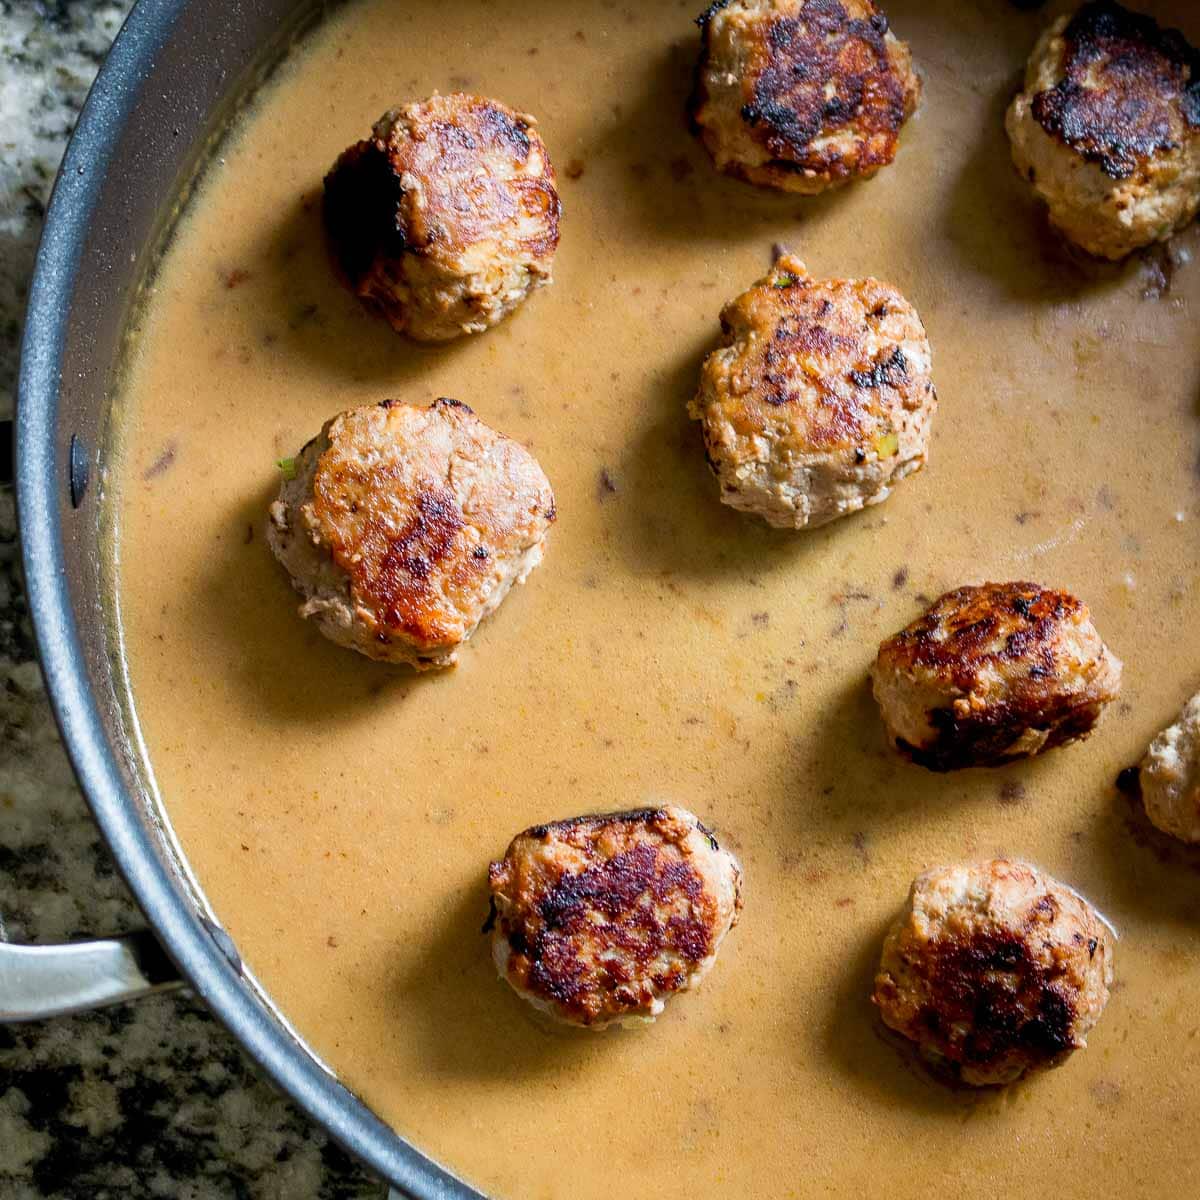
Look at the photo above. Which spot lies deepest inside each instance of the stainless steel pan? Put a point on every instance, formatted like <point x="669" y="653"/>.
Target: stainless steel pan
<point x="171" y="81"/>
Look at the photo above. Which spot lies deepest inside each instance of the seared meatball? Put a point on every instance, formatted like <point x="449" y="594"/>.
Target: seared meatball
<point x="601" y="919"/>
<point x="447" y="217"/>
<point x="994" y="969"/>
<point x="1107" y="129"/>
<point x="993" y="673"/>
<point x="403" y="527"/>
<point x="1170" y="776"/>
<point x="801" y="95"/>
<point x="820" y="399"/>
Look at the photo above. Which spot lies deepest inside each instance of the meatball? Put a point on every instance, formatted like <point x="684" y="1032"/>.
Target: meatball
<point x="801" y="95"/>
<point x="403" y="527"/>
<point x="994" y="969"/>
<point x="820" y="398"/>
<point x="601" y="919"/>
<point x="447" y="217"/>
<point x="1170" y="776"/>
<point x="1107" y="129"/>
<point x="993" y="673"/>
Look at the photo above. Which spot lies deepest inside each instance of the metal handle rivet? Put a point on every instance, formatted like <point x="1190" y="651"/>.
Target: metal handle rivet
<point x="78" y="469"/>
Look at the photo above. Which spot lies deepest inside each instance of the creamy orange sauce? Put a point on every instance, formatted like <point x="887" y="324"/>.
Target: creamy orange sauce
<point x="340" y="814"/>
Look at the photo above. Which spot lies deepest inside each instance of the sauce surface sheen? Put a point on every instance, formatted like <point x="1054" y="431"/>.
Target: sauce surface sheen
<point x="340" y="814"/>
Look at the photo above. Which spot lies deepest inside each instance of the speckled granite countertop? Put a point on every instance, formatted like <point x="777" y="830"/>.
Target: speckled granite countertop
<point x="152" y="1099"/>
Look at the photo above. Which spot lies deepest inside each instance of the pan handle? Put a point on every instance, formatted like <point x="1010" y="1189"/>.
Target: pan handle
<point x="50" y="981"/>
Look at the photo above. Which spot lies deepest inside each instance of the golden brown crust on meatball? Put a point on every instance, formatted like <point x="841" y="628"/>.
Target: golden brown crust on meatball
<point x="405" y="526"/>
<point x="994" y="970"/>
<point x="993" y="673"/>
<point x="801" y="95"/>
<point x="1107" y="128"/>
<point x="1128" y="89"/>
<point x="820" y="399"/>
<point x="603" y="918"/>
<point x="447" y="217"/>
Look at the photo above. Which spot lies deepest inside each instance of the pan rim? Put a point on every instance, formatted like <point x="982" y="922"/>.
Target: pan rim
<point x="39" y="475"/>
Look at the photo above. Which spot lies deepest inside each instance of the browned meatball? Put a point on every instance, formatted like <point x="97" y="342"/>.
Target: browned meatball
<point x="1107" y="128"/>
<point x="447" y="217"/>
<point x="1170" y="776"/>
<point x="821" y="399"/>
<point x="801" y="95"/>
<point x="994" y="969"/>
<point x="601" y="919"/>
<point x="404" y="526"/>
<point x="993" y="673"/>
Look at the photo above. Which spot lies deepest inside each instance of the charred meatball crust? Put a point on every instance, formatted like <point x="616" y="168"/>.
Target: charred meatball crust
<point x="601" y="919"/>
<point x="447" y="217"/>
<point x="994" y="970"/>
<point x="403" y="527"/>
<point x="1107" y="129"/>
<point x="801" y="95"/>
<point x="991" y="674"/>
<point x="1170" y="776"/>
<point x="820" y="399"/>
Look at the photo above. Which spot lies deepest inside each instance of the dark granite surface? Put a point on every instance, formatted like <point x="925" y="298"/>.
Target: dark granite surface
<point x="152" y="1099"/>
